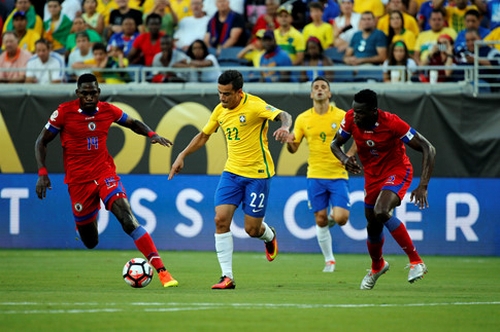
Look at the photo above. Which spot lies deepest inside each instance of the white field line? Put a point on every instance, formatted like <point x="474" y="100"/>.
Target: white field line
<point x="78" y="307"/>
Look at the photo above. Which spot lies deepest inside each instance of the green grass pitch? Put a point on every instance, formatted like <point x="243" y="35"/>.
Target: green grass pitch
<point x="82" y="290"/>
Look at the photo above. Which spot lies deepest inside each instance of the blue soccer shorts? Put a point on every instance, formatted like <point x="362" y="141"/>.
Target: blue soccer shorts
<point x="251" y="193"/>
<point x="327" y="192"/>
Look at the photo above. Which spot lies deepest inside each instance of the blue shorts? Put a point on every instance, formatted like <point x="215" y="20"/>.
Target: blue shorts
<point x="325" y="192"/>
<point x="251" y="193"/>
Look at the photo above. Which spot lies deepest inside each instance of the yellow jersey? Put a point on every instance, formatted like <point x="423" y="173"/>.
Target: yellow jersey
<point x="319" y="131"/>
<point x="245" y="128"/>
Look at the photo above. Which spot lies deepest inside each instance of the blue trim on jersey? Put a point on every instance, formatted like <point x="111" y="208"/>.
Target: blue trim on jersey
<point x="123" y="118"/>
<point x="398" y="187"/>
<point x="409" y="135"/>
<point x="138" y="233"/>
<point x="52" y="129"/>
<point x="344" y="134"/>
<point x="118" y="190"/>
<point x="86" y="217"/>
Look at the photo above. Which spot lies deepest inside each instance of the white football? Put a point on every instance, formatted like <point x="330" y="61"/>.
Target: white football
<point x="137" y="272"/>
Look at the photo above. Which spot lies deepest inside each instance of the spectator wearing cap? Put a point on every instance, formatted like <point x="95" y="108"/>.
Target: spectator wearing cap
<point x="254" y="50"/>
<point x="427" y="39"/>
<point x="287" y="37"/>
<point x="34" y="21"/>
<point x="318" y="28"/>
<point x="226" y="28"/>
<point x="13" y="57"/>
<point x="368" y="46"/>
<point x="27" y="37"/>
<point x="57" y="27"/>
<point x="441" y="54"/>
<point x="267" y="21"/>
<point x="273" y="56"/>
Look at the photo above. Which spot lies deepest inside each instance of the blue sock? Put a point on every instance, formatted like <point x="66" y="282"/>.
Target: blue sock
<point x="392" y="223"/>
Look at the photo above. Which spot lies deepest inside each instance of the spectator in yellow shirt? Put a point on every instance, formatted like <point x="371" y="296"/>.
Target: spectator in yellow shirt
<point x="410" y="23"/>
<point x="318" y="28"/>
<point x="27" y="37"/>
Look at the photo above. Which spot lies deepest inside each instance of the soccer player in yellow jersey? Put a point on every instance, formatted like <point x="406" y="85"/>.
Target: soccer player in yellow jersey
<point x="245" y="180"/>
<point x="326" y="177"/>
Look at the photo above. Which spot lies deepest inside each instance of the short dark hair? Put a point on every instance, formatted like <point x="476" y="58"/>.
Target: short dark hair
<point x="86" y="78"/>
<point x="99" y="46"/>
<point x="321" y="78"/>
<point x="152" y="16"/>
<point x="368" y="97"/>
<point x="316" y="5"/>
<point x="45" y="42"/>
<point x="473" y="12"/>
<point x="233" y="77"/>
<point x="82" y="34"/>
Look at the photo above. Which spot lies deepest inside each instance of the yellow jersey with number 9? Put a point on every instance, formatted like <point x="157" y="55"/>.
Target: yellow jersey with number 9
<point x="319" y="130"/>
<point x="245" y="128"/>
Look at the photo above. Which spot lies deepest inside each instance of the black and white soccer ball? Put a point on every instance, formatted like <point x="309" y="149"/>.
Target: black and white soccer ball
<point x="137" y="272"/>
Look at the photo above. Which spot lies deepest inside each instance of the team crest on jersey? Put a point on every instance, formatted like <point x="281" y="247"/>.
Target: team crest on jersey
<point x="78" y="207"/>
<point x="270" y="108"/>
<point x="243" y="118"/>
<point x="91" y="126"/>
<point x="370" y="143"/>
<point x="54" y="115"/>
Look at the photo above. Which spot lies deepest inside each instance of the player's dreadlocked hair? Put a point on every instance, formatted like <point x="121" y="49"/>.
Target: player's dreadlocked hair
<point x="233" y="77"/>
<point x="86" y="78"/>
<point x="367" y="97"/>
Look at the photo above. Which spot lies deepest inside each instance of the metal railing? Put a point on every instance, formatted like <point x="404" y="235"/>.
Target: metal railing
<point x="474" y="78"/>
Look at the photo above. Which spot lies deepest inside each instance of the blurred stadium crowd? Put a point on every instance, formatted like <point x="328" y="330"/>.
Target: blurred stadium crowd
<point x="55" y="41"/>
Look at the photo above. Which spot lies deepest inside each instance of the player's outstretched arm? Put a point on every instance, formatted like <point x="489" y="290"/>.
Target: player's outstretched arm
<point x="421" y="144"/>
<point x="282" y="133"/>
<point x="350" y="162"/>
<point x="141" y="128"/>
<point x="43" y="182"/>
<point x="197" y="142"/>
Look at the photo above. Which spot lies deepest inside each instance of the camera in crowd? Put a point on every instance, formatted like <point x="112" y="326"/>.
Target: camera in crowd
<point x="442" y="47"/>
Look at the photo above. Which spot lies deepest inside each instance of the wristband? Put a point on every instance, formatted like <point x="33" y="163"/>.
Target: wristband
<point x="43" y="171"/>
<point x="151" y="134"/>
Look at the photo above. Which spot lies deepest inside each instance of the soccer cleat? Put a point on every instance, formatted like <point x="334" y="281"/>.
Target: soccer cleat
<point x="167" y="280"/>
<point x="331" y="221"/>
<point x="272" y="247"/>
<point x="225" y="283"/>
<point x="329" y="266"/>
<point x="416" y="272"/>
<point x="371" y="277"/>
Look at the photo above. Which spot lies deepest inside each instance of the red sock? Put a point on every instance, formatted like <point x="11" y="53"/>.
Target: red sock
<point x="375" y="251"/>
<point x="146" y="245"/>
<point x="400" y="234"/>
